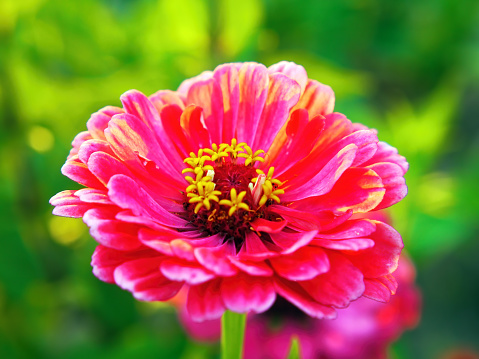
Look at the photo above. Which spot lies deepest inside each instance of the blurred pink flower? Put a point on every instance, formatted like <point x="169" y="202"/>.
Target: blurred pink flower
<point x="273" y="177"/>
<point x="364" y="330"/>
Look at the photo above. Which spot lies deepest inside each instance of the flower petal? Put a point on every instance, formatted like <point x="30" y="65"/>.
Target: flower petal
<point x="78" y="172"/>
<point x="295" y="294"/>
<point x="98" y="121"/>
<point x="216" y="259"/>
<point x="166" y="97"/>
<point x="130" y="138"/>
<point x="325" y="179"/>
<point x="382" y="259"/>
<point x="143" y="278"/>
<point x="358" y="189"/>
<point x="317" y="98"/>
<point x="304" y="264"/>
<point x="252" y="268"/>
<point x="204" y="301"/>
<point x="263" y="225"/>
<point x="170" y="118"/>
<point x="110" y="232"/>
<point x="91" y="146"/>
<point x="294" y="142"/>
<point x="68" y="204"/>
<point x="342" y="284"/>
<point x="243" y="293"/>
<point x="283" y="94"/>
<point x="293" y="71"/>
<point x="126" y="193"/>
<point x="105" y="260"/>
<point x="180" y="270"/>
<point x="289" y="242"/>
<point x="253" y="84"/>
<point x="208" y="95"/>
<point x="227" y="78"/>
<point x="387" y="153"/>
<point x="393" y="181"/>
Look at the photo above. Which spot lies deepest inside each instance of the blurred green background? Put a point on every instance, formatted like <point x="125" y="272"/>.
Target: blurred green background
<point x="408" y="68"/>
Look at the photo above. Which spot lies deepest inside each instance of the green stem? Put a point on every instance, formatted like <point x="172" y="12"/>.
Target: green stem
<point x="232" y="335"/>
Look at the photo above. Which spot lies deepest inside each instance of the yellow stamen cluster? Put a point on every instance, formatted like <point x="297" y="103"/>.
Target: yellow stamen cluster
<point x="205" y="193"/>
<point x="269" y="193"/>
<point x="235" y="203"/>
<point x="197" y="163"/>
<point x="251" y="157"/>
<point x="216" y="153"/>
<point x="269" y="177"/>
<point x="201" y="188"/>
<point x="194" y="182"/>
<point x="234" y="148"/>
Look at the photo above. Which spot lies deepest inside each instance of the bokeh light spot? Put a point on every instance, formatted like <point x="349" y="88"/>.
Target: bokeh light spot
<point x="40" y="139"/>
<point x="66" y="231"/>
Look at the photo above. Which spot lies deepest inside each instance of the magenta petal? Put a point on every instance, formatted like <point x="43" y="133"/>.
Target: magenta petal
<point x="283" y="94"/>
<point x="254" y="249"/>
<point x="243" y="293"/>
<point x="67" y="204"/>
<point x="317" y="98"/>
<point x="160" y="239"/>
<point x="387" y="153"/>
<point x="186" y="84"/>
<point x="143" y="278"/>
<point x="110" y="232"/>
<point x="182" y="249"/>
<point x="304" y="264"/>
<point x="126" y="193"/>
<point x="204" y="301"/>
<point x="79" y="172"/>
<point x="339" y="286"/>
<point x="91" y="195"/>
<point x="393" y="181"/>
<point x="77" y="142"/>
<point x="166" y="97"/>
<point x="208" y="95"/>
<point x="91" y="146"/>
<point x="263" y="225"/>
<point x="253" y="84"/>
<point x="350" y="229"/>
<point x="291" y="241"/>
<point x="382" y="259"/>
<point x="171" y="120"/>
<point x="352" y="244"/>
<point x="105" y="260"/>
<point x="104" y="166"/>
<point x="252" y="268"/>
<point x="325" y="179"/>
<point x="295" y="294"/>
<point x="358" y="189"/>
<point x="376" y="290"/>
<point x="180" y="270"/>
<point x="308" y="221"/>
<point x="98" y="121"/>
<point x="227" y="78"/>
<point x="216" y="259"/>
<point x="293" y="71"/>
<point x="130" y="138"/>
<point x="297" y="141"/>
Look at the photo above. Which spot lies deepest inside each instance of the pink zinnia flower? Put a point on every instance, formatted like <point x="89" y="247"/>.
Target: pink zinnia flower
<point x="240" y="185"/>
<point x="364" y="330"/>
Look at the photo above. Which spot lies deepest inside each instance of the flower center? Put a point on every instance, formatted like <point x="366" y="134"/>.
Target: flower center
<point x="226" y="192"/>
